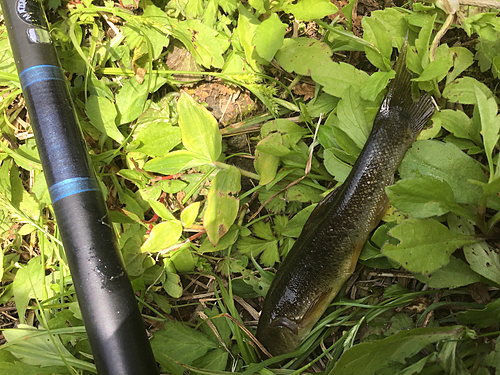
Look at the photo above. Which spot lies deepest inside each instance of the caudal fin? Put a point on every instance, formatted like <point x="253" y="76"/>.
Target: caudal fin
<point x="399" y="96"/>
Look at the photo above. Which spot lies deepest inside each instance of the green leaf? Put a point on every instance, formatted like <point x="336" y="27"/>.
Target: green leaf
<point x="161" y="210"/>
<point x="366" y="358"/>
<point x="172" y="284"/>
<point x="463" y="90"/>
<point x="222" y="204"/>
<point x="39" y="350"/>
<point x="177" y="342"/>
<point x="484" y="318"/>
<point x="162" y="236"/>
<point x="455" y="274"/>
<point x="130" y="101"/>
<point x="266" y="166"/>
<point x="157" y="139"/>
<point x="458" y="123"/>
<point x="446" y="162"/>
<point x="215" y="360"/>
<point x="490" y="125"/>
<point x="268" y="37"/>
<point x="436" y="69"/>
<point x="102" y="114"/>
<point x="375" y="33"/>
<point x="205" y="46"/>
<point x="306" y="10"/>
<point x="182" y="259"/>
<point x="29" y="283"/>
<point x="247" y="25"/>
<point x="337" y="77"/>
<point x="336" y="167"/>
<point x="424" y="196"/>
<point x="484" y="260"/>
<point x="352" y="121"/>
<point x="225" y="241"/>
<point x="425" y="246"/>
<point x="463" y="58"/>
<point x="303" y="55"/>
<point x="200" y="132"/>
<point x="189" y="214"/>
<point x="175" y="162"/>
<point x="376" y="84"/>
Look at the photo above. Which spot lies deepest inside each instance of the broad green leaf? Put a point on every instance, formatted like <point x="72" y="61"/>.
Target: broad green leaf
<point x="294" y="226"/>
<point x="175" y="162"/>
<point x="156" y="31"/>
<point x="368" y="357"/>
<point x="266" y="166"/>
<point x="306" y="10"/>
<point x="162" y="236"/>
<point x="200" y="132"/>
<point x="189" y="214"/>
<point x="446" y="162"/>
<point x="177" y="342"/>
<point x="161" y="210"/>
<point x="455" y="274"/>
<point x="303" y="55"/>
<point x="102" y="114"/>
<point x="205" y="46"/>
<point x="375" y="33"/>
<point x="274" y="144"/>
<point x="425" y="246"/>
<point x="484" y="260"/>
<point x="423" y="40"/>
<point x="215" y="360"/>
<point x="424" y="196"/>
<point x="436" y="69"/>
<point x="458" y="123"/>
<point x="247" y="25"/>
<point x="269" y="37"/>
<point x="336" y="167"/>
<point x="182" y="259"/>
<point x="40" y="350"/>
<point x="463" y="58"/>
<point x="490" y="125"/>
<point x="352" y="122"/>
<point x="337" y="77"/>
<point x="172" y="284"/>
<point x="225" y="241"/>
<point x="157" y="139"/>
<point x="463" y="90"/>
<point x="376" y="84"/>
<point x="28" y="284"/>
<point x="222" y="204"/>
<point x="394" y="22"/>
<point x="130" y="101"/>
<point x="484" y="318"/>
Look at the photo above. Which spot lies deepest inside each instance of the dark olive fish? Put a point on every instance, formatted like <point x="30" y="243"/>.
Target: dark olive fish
<point x="325" y="254"/>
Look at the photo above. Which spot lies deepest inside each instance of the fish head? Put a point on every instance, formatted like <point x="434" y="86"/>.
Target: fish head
<point x="280" y="336"/>
<point x="284" y="334"/>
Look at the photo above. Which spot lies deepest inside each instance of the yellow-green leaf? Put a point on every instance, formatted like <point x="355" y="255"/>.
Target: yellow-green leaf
<point x="222" y="206"/>
<point x="200" y="132"/>
<point x="162" y="236"/>
<point x="189" y="214"/>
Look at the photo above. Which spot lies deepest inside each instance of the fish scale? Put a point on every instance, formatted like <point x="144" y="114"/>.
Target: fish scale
<point x="325" y="254"/>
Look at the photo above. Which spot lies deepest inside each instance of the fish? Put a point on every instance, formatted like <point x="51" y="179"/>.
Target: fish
<point x="327" y="250"/>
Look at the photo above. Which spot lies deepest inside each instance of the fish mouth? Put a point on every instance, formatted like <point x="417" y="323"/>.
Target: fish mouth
<point x="281" y="336"/>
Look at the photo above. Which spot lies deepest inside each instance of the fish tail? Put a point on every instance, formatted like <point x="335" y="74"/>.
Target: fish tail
<point x="399" y="96"/>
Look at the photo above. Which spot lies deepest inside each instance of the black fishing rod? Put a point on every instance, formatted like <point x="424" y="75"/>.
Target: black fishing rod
<point x="110" y="313"/>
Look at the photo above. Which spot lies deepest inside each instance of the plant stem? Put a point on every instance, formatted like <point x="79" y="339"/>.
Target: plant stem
<point x="243" y="172"/>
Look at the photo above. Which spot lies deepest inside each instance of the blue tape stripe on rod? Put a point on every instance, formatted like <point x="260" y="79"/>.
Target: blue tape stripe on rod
<point x="72" y="186"/>
<point x="40" y="73"/>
